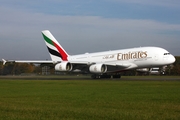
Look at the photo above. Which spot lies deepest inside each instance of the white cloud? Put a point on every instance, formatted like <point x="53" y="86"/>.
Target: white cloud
<point x="78" y="34"/>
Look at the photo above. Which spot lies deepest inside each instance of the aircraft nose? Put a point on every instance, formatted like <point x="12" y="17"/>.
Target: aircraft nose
<point x="172" y="59"/>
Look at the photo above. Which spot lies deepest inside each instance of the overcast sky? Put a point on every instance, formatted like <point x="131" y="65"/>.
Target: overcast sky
<point x="87" y="26"/>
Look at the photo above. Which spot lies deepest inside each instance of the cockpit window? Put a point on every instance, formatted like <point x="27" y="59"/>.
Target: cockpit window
<point x="166" y="53"/>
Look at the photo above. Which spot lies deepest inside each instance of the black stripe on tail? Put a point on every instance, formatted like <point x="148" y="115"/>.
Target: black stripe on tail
<point x="53" y="52"/>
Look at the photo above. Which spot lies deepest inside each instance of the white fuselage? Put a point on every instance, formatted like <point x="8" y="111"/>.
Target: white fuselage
<point x="132" y="58"/>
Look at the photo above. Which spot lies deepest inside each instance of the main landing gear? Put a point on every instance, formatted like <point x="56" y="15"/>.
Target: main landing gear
<point x="96" y="76"/>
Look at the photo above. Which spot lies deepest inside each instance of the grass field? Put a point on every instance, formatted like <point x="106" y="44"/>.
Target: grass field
<point x="89" y="99"/>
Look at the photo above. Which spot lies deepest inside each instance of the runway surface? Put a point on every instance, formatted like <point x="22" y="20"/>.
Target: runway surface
<point x="82" y="77"/>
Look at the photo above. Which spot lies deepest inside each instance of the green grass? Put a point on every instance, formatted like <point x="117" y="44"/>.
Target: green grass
<point x="89" y="99"/>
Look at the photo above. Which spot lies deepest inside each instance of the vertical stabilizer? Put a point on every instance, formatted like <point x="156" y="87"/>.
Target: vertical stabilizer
<point x="56" y="51"/>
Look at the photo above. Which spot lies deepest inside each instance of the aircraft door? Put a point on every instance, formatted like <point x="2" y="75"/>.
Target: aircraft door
<point x="156" y="57"/>
<point x="89" y="58"/>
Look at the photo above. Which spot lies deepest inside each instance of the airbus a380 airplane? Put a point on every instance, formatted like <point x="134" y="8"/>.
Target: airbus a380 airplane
<point x="104" y="64"/>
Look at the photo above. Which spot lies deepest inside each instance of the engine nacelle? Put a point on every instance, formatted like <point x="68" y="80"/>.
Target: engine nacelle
<point x="98" y="68"/>
<point x="63" y="66"/>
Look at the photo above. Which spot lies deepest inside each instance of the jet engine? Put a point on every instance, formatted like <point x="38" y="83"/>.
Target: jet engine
<point x="63" y="66"/>
<point x="98" y="68"/>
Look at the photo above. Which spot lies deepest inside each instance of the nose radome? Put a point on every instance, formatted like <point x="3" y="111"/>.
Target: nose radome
<point x="172" y="59"/>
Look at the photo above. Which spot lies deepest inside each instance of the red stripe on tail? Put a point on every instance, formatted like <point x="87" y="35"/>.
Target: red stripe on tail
<point x="61" y="51"/>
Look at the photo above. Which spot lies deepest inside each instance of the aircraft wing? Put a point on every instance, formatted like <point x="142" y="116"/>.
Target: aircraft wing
<point x="80" y="65"/>
<point x="112" y="66"/>
<point x="119" y="64"/>
<point x="28" y="61"/>
<point x="123" y="65"/>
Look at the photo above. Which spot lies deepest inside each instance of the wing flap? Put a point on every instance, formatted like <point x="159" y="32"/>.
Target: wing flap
<point x="124" y="65"/>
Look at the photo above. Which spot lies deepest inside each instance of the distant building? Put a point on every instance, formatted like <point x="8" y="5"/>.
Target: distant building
<point x="45" y="70"/>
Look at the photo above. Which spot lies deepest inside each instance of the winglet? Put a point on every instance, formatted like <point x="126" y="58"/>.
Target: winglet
<point x="4" y="61"/>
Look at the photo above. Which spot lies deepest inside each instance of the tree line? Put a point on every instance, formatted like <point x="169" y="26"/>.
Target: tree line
<point x="22" y="68"/>
<point x="27" y="68"/>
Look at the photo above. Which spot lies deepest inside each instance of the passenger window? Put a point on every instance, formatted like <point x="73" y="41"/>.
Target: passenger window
<point x="166" y="53"/>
